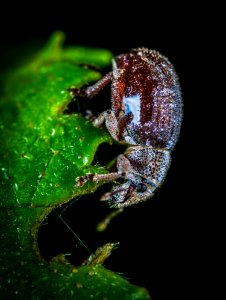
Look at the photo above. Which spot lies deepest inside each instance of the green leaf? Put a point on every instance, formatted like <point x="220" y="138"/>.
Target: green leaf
<point x="42" y="151"/>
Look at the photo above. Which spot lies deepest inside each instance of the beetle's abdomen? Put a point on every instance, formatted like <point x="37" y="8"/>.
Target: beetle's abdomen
<point x="150" y="94"/>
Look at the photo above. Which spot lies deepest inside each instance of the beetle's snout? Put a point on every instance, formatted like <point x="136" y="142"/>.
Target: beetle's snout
<point x="118" y="195"/>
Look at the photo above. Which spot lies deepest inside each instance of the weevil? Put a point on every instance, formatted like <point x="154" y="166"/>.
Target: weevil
<point x="145" y="115"/>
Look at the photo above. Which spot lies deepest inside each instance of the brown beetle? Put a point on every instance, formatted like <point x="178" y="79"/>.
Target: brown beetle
<point x="146" y="114"/>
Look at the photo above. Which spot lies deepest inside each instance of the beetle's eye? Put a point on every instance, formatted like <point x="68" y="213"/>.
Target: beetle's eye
<point x="141" y="188"/>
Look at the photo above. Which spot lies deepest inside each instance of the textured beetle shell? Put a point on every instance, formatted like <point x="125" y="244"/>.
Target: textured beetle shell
<point x="146" y="98"/>
<point x="149" y="163"/>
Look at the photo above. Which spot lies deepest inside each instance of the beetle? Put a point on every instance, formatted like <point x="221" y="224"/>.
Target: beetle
<point x="145" y="115"/>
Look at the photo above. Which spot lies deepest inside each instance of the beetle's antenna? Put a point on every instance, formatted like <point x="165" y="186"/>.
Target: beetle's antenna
<point x="102" y="225"/>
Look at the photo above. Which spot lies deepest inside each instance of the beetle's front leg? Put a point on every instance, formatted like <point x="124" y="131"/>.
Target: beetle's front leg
<point x="123" y="166"/>
<point x="92" y="90"/>
<point x="80" y="181"/>
<point x="109" y="119"/>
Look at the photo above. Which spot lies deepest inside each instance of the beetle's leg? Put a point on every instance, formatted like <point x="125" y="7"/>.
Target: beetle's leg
<point x="92" y="90"/>
<point x="80" y="181"/>
<point x="115" y="127"/>
<point x="109" y="119"/>
<point x="123" y="166"/>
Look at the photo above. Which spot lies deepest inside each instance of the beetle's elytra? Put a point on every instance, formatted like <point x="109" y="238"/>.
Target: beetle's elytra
<point x="145" y="114"/>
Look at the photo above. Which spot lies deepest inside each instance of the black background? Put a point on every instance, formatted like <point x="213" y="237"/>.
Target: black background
<point x="159" y="239"/>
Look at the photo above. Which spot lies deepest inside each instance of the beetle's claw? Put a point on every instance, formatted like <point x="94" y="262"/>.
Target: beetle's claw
<point x="80" y="181"/>
<point x="76" y="92"/>
<point x="89" y="115"/>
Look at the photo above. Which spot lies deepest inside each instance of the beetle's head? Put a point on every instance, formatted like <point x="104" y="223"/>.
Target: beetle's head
<point x="129" y="193"/>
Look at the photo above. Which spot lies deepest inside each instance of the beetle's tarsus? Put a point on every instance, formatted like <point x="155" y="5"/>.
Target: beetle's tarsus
<point x="76" y="92"/>
<point x="89" y="115"/>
